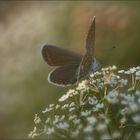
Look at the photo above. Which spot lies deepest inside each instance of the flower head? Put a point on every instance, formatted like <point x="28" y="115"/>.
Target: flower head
<point x="98" y="108"/>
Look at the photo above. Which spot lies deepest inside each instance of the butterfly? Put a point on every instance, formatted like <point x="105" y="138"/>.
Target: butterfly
<point x="70" y="66"/>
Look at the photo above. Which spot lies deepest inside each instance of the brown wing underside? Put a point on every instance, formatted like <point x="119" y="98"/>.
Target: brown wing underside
<point x="64" y="75"/>
<point x="85" y="66"/>
<point x="86" y="62"/>
<point x="90" y="40"/>
<point x="56" y="56"/>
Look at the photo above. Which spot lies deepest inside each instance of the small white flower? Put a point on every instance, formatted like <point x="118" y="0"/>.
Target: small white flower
<point x="124" y="102"/>
<point x="92" y="100"/>
<point x="91" y="75"/>
<point x="57" y="106"/>
<point x="137" y="135"/>
<point x="47" y="110"/>
<point x="71" y="109"/>
<point x="118" y="77"/>
<point x="133" y="107"/>
<point x="94" y="109"/>
<point x="50" y="131"/>
<point x="123" y="82"/>
<point x="75" y="92"/>
<point x="63" y="125"/>
<point x="100" y="106"/>
<point x="65" y="106"/>
<point x="101" y="127"/>
<point x="105" y="137"/>
<point x="34" y="130"/>
<point x="138" y="67"/>
<point x="133" y="70"/>
<point x="71" y="92"/>
<point x="83" y="85"/>
<point x="121" y="71"/>
<point x="72" y="104"/>
<point x="139" y="100"/>
<point x="116" y="134"/>
<point x="56" y="119"/>
<point x="114" y="67"/>
<point x="137" y="75"/>
<point x="88" y="129"/>
<point x="136" y="118"/>
<point x="123" y="120"/>
<point x="92" y="120"/>
<point x="112" y="97"/>
<point x="33" y="133"/>
<point x="92" y="81"/>
<point x="80" y="126"/>
<point x="76" y="121"/>
<point x="103" y="117"/>
<point x="48" y="120"/>
<point x="86" y="113"/>
<point x="105" y="69"/>
<point x="137" y="93"/>
<point x="37" y="119"/>
<point x="51" y="105"/>
<point x="97" y="73"/>
<point x="72" y="117"/>
<point x="124" y="111"/>
<point x="128" y="98"/>
<point x="127" y="72"/>
<point x="75" y="133"/>
<point x="98" y="80"/>
<point x="112" y="81"/>
<point x="88" y="137"/>
<point x="62" y="117"/>
<point x="131" y="89"/>
<point x="63" y="98"/>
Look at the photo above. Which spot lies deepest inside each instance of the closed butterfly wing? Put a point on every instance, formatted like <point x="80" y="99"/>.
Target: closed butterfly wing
<point x="56" y="56"/>
<point x="64" y="75"/>
<point x="90" y="40"/>
<point x="86" y="63"/>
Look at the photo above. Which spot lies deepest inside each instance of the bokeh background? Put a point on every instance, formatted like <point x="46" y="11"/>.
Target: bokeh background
<point x="25" y="26"/>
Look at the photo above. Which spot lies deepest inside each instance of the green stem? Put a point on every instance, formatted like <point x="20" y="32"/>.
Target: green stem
<point x="137" y="84"/>
<point x="105" y="92"/>
<point x="133" y="80"/>
<point x="116" y="87"/>
<point x="130" y="134"/>
<point x="80" y="99"/>
<point x="85" y="97"/>
<point x="95" y="88"/>
<point x="76" y="102"/>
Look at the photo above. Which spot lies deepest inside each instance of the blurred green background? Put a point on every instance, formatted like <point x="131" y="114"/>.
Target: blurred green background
<point x="25" y="26"/>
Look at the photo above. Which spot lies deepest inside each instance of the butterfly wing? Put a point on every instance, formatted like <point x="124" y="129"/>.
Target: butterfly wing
<point x="56" y="56"/>
<point x="86" y="62"/>
<point x="64" y="75"/>
<point x="90" y="40"/>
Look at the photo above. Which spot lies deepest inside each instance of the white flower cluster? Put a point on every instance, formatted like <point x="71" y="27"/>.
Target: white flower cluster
<point x="105" y="106"/>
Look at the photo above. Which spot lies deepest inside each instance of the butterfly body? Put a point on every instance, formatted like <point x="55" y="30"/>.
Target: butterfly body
<point x="90" y="67"/>
<point x="95" y="65"/>
<point x="70" y="66"/>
